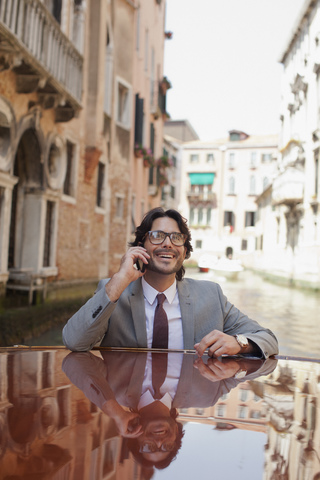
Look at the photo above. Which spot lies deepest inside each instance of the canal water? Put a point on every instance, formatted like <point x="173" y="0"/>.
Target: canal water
<point x="292" y="314"/>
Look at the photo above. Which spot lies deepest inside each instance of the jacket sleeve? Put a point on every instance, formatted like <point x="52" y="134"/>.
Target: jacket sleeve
<point x="236" y="322"/>
<point x="87" y="327"/>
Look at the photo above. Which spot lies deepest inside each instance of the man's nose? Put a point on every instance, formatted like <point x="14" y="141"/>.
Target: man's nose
<point x="167" y="242"/>
<point x="158" y="442"/>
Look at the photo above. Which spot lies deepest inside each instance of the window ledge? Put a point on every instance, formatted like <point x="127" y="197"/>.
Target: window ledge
<point x="99" y="210"/>
<point x="68" y="199"/>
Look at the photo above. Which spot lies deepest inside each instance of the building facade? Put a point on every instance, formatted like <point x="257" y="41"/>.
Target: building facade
<point x="220" y="183"/>
<point x="81" y="84"/>
<point x="289" y="212"/>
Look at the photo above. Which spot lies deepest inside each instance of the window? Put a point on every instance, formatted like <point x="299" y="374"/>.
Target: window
<point x="229" y="219"/>
<point x="253" y="159"/>
<point x="265" y="182"/>
<point x="244" y="244"/>
<point x="250" y="219"/>
<point x="191" y="216"/>
<point x="255" y="414"/>
<point x="266" y="157"/>
<point x="139" y="120"/>
<point x="133" y="214"/>
<point x="243" y="394"/>
<point x="194" y="158"/>
<point x="152" y="82"/>
<point x="252" y="188"/>
<point x="232" y="160"/>
<point x="242" y="413"/>
<point x="68" y="186"/>
<point x="138" y="29"/>
<point x="100" y="184"/>
<point x="108" y="72"/>
<point x="77" y="19"/>
<point x="123" y="99"/>
<point x="48" y="234"/>
<point x="231" y="186"/>
<point x="208" y="216"/>
<point x="173" y="191"/>
<point x="119" y="207"/>
<point x="146" y="51"/>
<point x="210" y="158"/>
<point x="200" y="216"/>
<point x="199" y="244"/>
<point x="220" y="410"/>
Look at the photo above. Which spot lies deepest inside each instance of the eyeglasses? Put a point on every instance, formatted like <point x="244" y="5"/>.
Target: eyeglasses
<point x="152" y="448"/>
<point x="157" y="237"/>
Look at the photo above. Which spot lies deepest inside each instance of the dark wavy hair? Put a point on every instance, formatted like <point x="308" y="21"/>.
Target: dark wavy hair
<point x="146" y="226"/>
<point x="133" y="446"/>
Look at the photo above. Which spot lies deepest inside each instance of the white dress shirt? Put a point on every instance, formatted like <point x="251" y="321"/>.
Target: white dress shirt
<point x="169" y="387"/>
<point x="171" y="306"/>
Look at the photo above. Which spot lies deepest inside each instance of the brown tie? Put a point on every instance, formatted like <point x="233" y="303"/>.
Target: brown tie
<point x="160" y="324"/>
<point x="159" y="372"/>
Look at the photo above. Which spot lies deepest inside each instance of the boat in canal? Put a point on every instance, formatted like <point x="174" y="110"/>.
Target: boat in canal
<point x="222" y="267"/>
<point x="101" y="415"/>
<point x="227" y="268"/>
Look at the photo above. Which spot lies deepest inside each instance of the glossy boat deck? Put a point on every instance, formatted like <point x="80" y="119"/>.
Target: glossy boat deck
<point x="96" y="415"/>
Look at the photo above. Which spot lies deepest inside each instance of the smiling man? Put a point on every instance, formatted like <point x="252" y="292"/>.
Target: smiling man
<point x="128" y="309"/>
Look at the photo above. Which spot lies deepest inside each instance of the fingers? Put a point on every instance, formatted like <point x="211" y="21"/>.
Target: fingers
<point x="209" y="341"/>
<point x="134" y="261"/>
<point x="217" y="343"/>
<point x="212" y="371"/>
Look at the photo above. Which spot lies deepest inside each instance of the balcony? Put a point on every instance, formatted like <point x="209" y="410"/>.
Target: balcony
<point x="43" y="58"/>
<point x="288" y="187"/>
<point x="208" y="198"/>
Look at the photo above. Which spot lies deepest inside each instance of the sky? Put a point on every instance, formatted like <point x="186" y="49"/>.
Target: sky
<point x="223" y="63"/>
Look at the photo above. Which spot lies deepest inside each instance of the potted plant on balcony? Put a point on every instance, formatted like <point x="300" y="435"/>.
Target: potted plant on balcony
<point x="139" y="151"/>
<point x="163" y="178"/>
<point x="145" y="153"/>
<point x="164" y="161"/>
<point x="148" y="159"/>
<point x="165" y="85"/>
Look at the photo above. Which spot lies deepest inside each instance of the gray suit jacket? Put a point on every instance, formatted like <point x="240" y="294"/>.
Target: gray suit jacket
<point x="120" y="376"/>
<point x="123" y="324"/>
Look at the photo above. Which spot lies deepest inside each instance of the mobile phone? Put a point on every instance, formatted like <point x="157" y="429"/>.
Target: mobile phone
<point x="140" y="265"/>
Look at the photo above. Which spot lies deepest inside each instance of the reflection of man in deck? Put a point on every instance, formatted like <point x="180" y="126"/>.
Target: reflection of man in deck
<point x="142" y="391"/>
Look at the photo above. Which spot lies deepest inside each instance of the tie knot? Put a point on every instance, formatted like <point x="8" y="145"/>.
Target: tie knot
<point x="161" y="298"/>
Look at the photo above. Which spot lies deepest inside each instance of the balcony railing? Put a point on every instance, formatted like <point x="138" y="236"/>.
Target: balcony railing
<point x="38" y="34"/>
<point x="201" y="196"/>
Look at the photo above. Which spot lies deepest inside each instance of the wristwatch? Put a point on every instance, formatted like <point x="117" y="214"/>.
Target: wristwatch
<point x="243" y="342"/>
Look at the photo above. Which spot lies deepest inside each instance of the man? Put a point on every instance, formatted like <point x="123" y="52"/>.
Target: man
<point x="198" y="316"/>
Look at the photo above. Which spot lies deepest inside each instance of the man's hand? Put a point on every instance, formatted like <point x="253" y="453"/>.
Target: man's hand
<point x="215" y="370"/>
<point x="127" y="272"/>
<point x="127" y="422"/>
<point x="218" y="343"/>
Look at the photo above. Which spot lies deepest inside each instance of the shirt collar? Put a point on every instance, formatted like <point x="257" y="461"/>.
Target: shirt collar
<point x="147" y="399"/>
<point x="150" y="293"/>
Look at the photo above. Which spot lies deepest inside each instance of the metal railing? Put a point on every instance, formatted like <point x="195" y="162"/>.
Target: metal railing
<point x="38" y="32"/>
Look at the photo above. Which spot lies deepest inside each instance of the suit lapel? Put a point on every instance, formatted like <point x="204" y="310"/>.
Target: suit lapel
<point x="136" y="300"/>
<point x="186" y="306"/>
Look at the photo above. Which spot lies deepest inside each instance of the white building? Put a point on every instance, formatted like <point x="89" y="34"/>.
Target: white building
<point x="220" y="183"/>
<point x="289" y="212"/>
